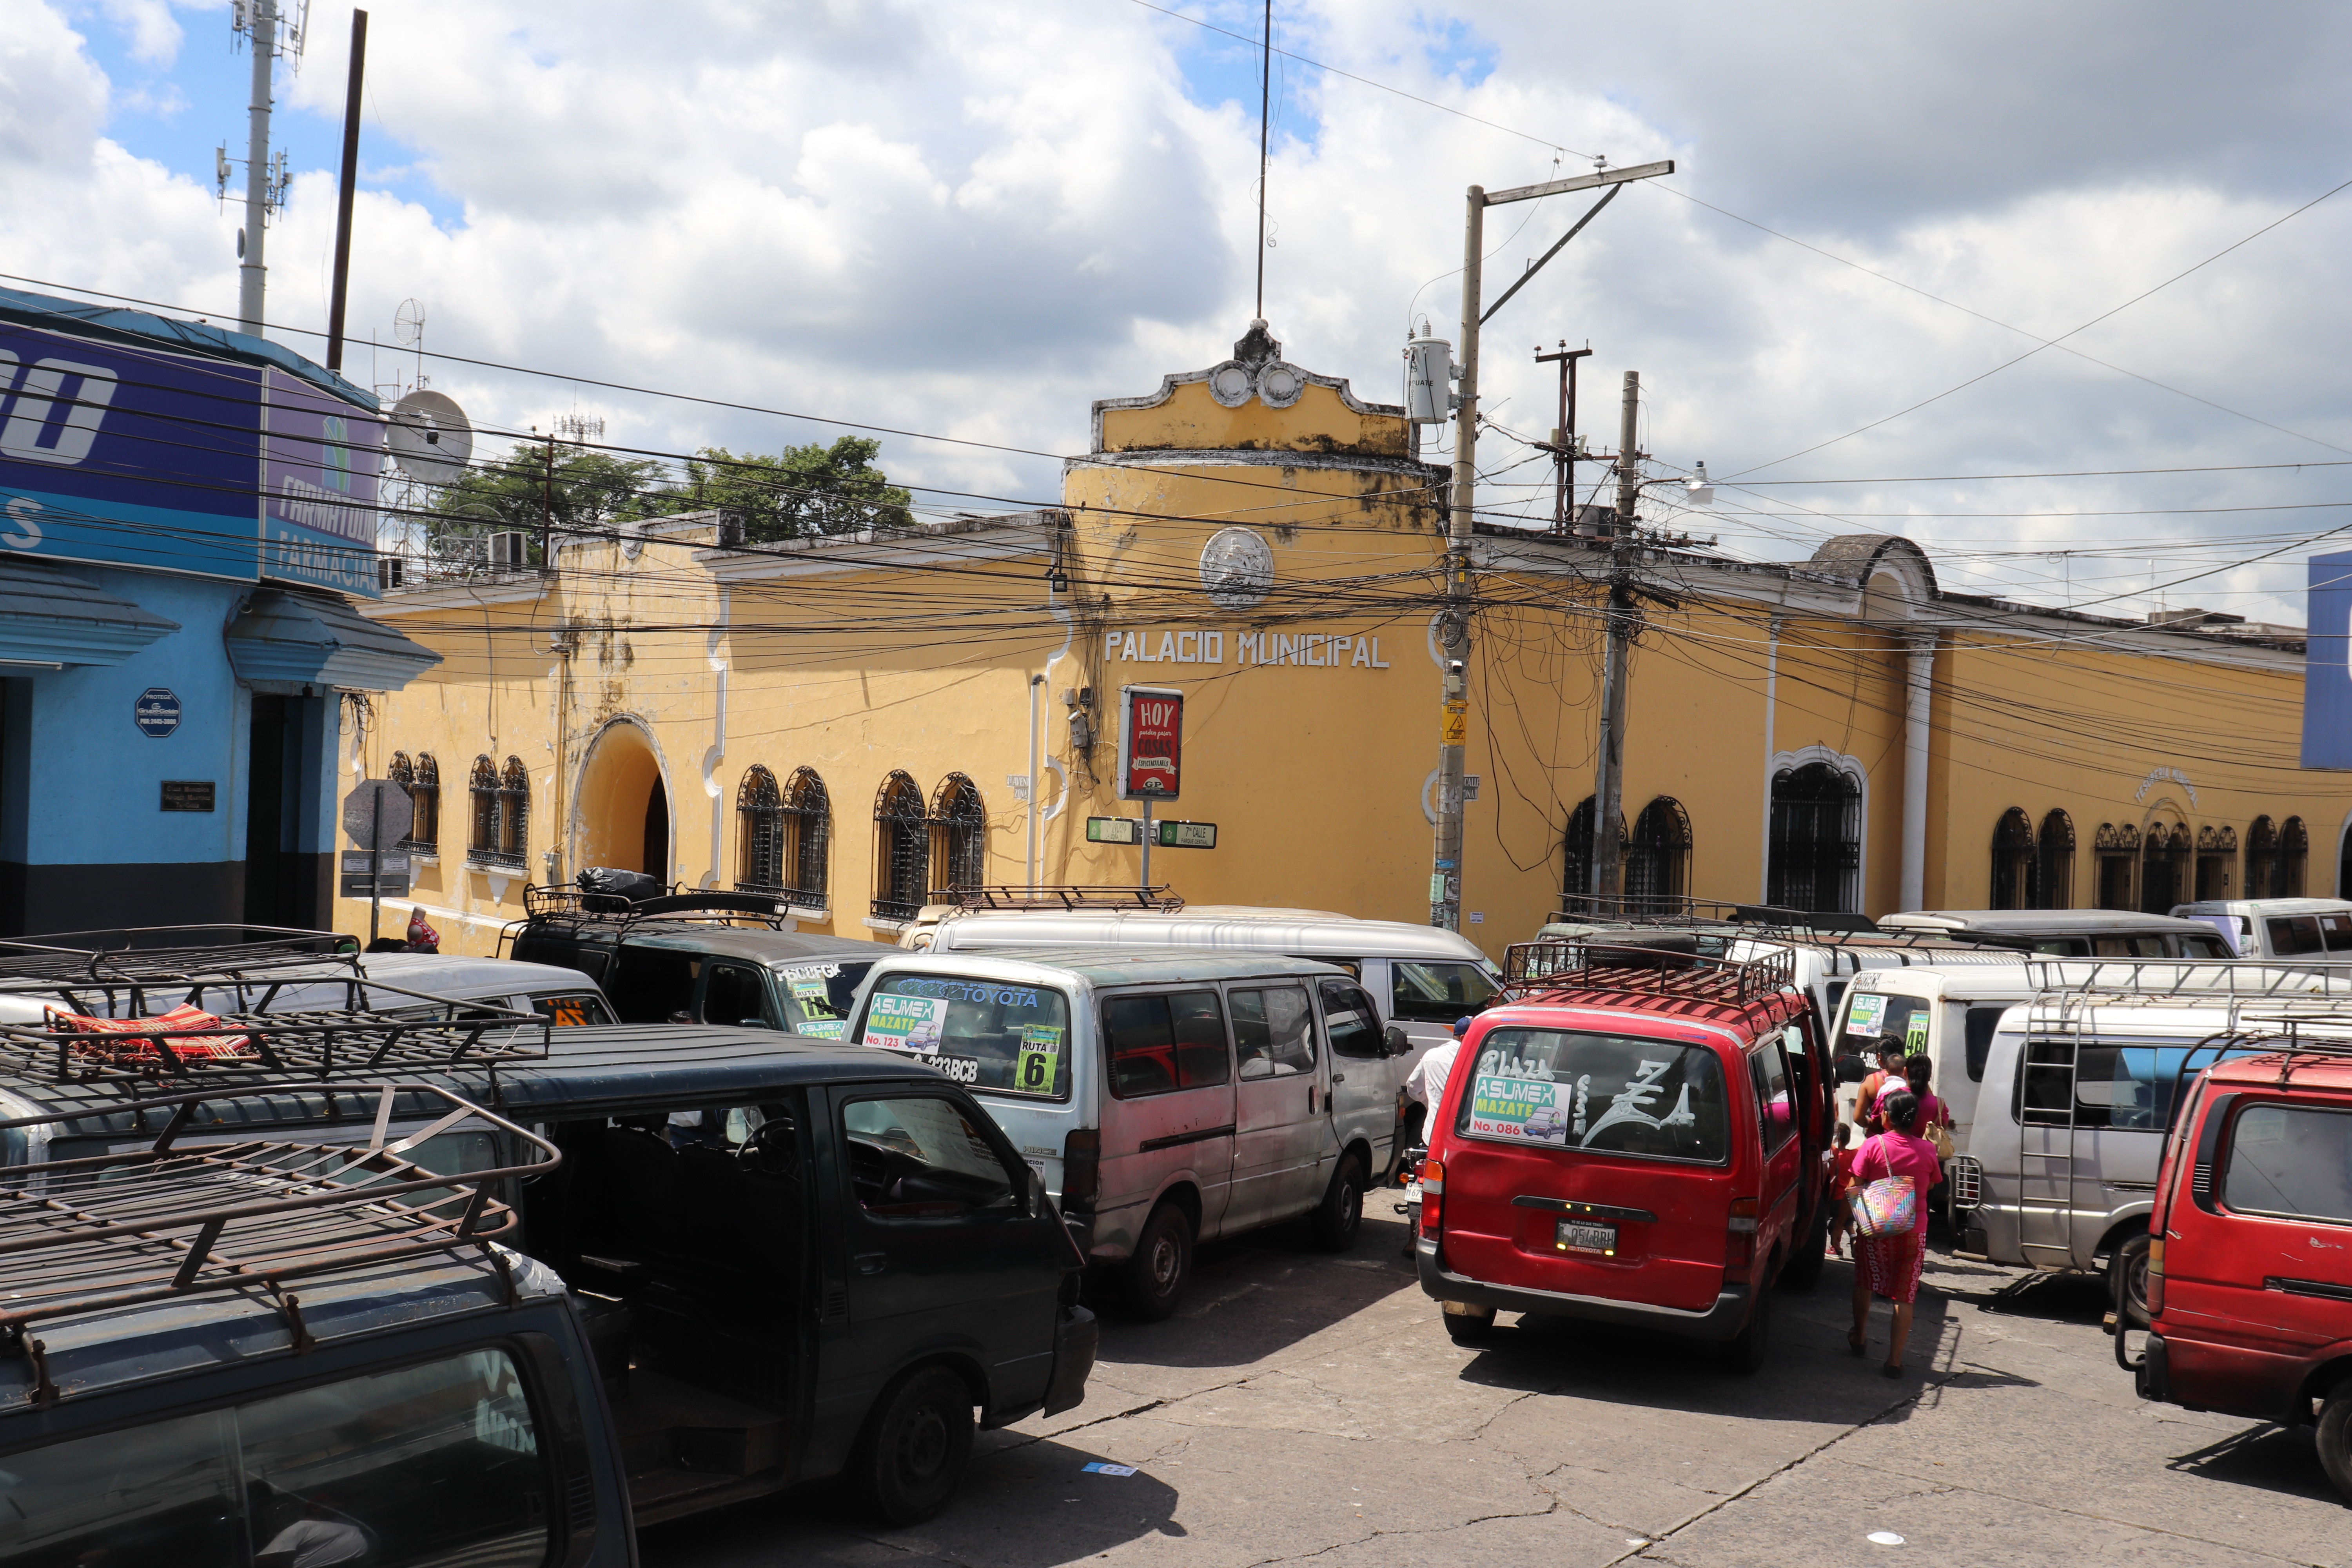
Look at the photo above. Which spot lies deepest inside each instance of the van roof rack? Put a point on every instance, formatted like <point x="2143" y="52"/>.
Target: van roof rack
<point x="300" y="1043"/>
<point x="2153" y="980"/>
<point x="1058" y="896"/>
<point x="165" y="953"/>
<point x="1762" y="922"/>
<point x="159" y="1222"/>
<point x="561" y="900"/>
<point x="1533" y="968"/>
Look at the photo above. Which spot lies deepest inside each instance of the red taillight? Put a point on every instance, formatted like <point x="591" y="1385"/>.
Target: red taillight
<point x="2155" y="1286"/>
<point x="1432" y="1196"/>
<point x="1081" y="1169"/>
<point x="1739" y="1235"/>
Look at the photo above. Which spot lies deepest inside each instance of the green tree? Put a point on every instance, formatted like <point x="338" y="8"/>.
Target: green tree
<point x="799" y="493"/>
<point x="589" y="490"/>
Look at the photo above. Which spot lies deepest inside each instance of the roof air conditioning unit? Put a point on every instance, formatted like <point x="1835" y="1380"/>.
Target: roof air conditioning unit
<point x="509" y="552"/>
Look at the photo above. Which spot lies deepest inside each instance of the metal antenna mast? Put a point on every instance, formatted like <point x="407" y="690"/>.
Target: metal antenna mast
<point x="265" y="179"/>
<point x="1264" y="103"/>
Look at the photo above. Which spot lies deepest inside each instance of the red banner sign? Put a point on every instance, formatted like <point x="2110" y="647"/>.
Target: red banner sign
<point x="1151" y="742"/>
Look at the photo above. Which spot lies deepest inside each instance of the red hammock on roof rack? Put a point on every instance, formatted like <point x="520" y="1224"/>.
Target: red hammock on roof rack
<point x="143" y="1050"/>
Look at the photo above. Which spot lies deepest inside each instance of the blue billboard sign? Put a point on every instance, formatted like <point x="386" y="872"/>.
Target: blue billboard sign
<point x="2327" y="681"/>
<point x="116" y="451"/>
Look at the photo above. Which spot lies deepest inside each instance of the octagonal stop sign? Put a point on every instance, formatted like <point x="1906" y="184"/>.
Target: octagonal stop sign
<point x="378" y="814"/>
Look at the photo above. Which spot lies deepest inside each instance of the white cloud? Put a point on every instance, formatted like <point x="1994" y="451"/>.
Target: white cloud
<point x="973" y="219"/>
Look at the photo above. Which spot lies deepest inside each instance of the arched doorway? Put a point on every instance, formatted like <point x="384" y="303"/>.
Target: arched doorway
<point x="620" y="816"/>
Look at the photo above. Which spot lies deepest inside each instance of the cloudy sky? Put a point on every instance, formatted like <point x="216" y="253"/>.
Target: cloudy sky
<point x="970" y="219"/>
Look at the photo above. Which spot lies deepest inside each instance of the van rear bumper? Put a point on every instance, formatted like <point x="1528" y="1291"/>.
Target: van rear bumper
<point x="1715" y="1324"/>
<point x="1077" y="1336"/>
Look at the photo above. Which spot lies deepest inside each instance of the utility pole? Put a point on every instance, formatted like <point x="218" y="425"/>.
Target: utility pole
<point x="342" y="275"/>
<point x="1453" y="625"/>
<point x="1563" y="434"/>
<point x="1609" y="786"/>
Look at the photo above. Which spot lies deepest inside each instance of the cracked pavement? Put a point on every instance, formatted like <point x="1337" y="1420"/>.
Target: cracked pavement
<point x="1307" y="1409"/>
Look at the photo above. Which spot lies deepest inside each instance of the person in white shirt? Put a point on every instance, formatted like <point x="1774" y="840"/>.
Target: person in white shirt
<point x="1425" y="1086"/>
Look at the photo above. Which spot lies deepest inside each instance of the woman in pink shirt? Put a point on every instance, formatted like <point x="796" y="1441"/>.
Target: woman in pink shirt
<point x="1889" y="1266"/>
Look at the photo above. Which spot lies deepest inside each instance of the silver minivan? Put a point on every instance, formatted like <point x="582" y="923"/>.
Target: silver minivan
<point x="1165" y="1097"/>
<point x="2292" y="931"/>
<point x="2060" y="1171"/>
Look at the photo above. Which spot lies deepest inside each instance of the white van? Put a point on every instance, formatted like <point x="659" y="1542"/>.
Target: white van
<point x="2077" y="1088"/>
<point x="2292" y="931"/>
<point x="2069" y="933"/>
<point x="1164" y="1095"/>
<point x="1422" y="977"/>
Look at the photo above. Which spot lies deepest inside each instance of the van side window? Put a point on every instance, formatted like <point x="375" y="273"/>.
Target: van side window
<point x="649" y="983"/>
<point x="434" y="1463"/>
<point x="1273" y="1032"/>
<point x="919" y="1156"/>
<point x="1157" y="1044"/>
<point x="1426" y="993"/>
<point x="2291" y="1161"/>
<point x="2292" y="934"/>
<point x="732" y="993"/>
<point x="1347" y="1017"/>
<point x="1981" y="1024"/>
<point x="2336" y="931"/>
<point x="1769" y="1071"/>
<point x="2045" y="1083"/>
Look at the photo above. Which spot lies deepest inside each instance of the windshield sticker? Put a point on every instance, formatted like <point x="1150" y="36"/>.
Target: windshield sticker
<point x="810" y="974"/>
<point x="963" y="1069"/>
<point x="810" y="986"/>
<point x="1527" y="1109"/>
<point x="1632" y="1102"/>
<point x="1915" y="1034"/>
<point x="1869" y="1006"/>
<point x="825" y="1028"/>
<point x="1041" y="1059"/>
<point x="906" y="1024"/>
<point x="963" y="991"/>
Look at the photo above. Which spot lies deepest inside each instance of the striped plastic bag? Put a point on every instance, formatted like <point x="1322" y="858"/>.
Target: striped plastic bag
<point x="1888" y="1206"/>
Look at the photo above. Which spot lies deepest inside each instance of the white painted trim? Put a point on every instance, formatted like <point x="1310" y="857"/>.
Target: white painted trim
<point x="1772" y="716"/>
<point x="1853" y="769"/>
<point x="1919" y="687"/>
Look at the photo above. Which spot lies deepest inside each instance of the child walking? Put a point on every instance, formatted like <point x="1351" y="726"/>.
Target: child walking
<point x="1840" y="1184"/>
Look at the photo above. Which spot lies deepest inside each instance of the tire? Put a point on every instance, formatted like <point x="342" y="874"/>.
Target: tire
<point x="2128" y="1283"/>
<point x="1156" y="1277"/>
<point x="1803" y="1271"/>
<point x="1744" y="1351"/>
<point x="1468" y="1329"/>
<point x="2334" y="1438"/>
<point x="1336" y="1219"/>
<point x="915" y="1451"/>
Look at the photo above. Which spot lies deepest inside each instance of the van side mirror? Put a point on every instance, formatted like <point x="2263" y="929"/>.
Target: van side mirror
<point x="1398" y="1043"/>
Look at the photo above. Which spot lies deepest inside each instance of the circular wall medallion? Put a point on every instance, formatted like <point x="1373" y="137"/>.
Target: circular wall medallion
<point x="1280" y="384"/>
<point x="1237" y="568"/>
<point x="1231" y="385"/>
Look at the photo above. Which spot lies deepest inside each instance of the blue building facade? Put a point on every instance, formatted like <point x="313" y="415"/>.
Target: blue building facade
<point x="186" y="516"/>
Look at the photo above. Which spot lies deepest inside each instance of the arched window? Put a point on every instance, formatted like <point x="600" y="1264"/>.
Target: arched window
<point x="482" y="794"/>
<point x="1814" y="847"/>
<point x="1576" y="869"/>
<point x="404" y="772"/>
<point x="2262" y="858"/>
<point x="2117" y="849"/>
<point x="2053" y="883"/>
<point x="2294" y="850"/>
<point x="960" y="820"/>
<point x="808" y="838"/>
<point x="2163" y="868"/>
<point x="759" y="833"/>
<point x="902" y="850"/>
<point x="514" y="814"/>
<point x="425" y="789"/>
<point x="2014" y="862"/>
<point x="2216" y="847"/>
<point x="1657" y="857"/>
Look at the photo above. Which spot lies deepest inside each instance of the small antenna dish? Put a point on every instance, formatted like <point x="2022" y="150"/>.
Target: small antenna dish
<point x="408" y="323"/>
<point x="429" y="436"/>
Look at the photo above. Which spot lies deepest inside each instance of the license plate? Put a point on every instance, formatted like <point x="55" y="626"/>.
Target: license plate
<point x="1584" y="1235"/>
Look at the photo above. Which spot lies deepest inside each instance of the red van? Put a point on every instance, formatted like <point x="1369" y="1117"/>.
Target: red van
<point x="2250" y="1260"/>
<point x="1632" y="1137"/>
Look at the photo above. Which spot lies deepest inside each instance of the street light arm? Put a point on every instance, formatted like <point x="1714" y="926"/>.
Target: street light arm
<point x="1608" y="197"/>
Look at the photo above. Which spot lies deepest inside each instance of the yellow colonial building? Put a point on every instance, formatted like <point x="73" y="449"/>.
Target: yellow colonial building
<point x="855" y="720"/>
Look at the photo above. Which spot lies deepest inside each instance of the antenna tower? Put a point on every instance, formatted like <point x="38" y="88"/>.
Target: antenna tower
<point x="275" y="28"/>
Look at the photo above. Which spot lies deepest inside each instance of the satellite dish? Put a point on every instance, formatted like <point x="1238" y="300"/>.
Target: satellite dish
<point x="429" y="436"/>
<point x="409" y="322"/>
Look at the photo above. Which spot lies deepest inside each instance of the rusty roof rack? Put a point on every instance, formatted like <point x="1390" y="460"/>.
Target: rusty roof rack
<point x="171" y="953"/>
<point x="420" y="1031"/>
<point x="561" y="900"/>
<point x="158" y="1222"/>
<point x="1530" y="968"/>
<point x="1058" y="896"/>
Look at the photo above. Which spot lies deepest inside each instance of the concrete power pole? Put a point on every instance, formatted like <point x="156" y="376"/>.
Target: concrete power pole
<point x="1453" y="623"/>
<point x="1609" y="786"/>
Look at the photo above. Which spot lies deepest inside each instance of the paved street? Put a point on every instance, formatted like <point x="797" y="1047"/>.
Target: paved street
<point x="1303" y="1406"/>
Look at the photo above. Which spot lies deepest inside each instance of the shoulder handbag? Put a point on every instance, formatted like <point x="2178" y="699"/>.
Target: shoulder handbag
<point x="1888" y="1206"/>
<point x="1941" y="1137"/>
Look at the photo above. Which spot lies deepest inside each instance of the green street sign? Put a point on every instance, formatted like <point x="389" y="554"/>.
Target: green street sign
<point x="1185" y="835"/>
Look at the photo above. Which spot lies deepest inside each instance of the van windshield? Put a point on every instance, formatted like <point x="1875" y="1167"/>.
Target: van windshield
<point x="1611" y="1093"/>
<point x="999" y="1035"/>
<point x="821" y="995"/>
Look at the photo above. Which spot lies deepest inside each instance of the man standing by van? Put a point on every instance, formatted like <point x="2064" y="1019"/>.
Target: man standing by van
<point x="1425" y="1086"/>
